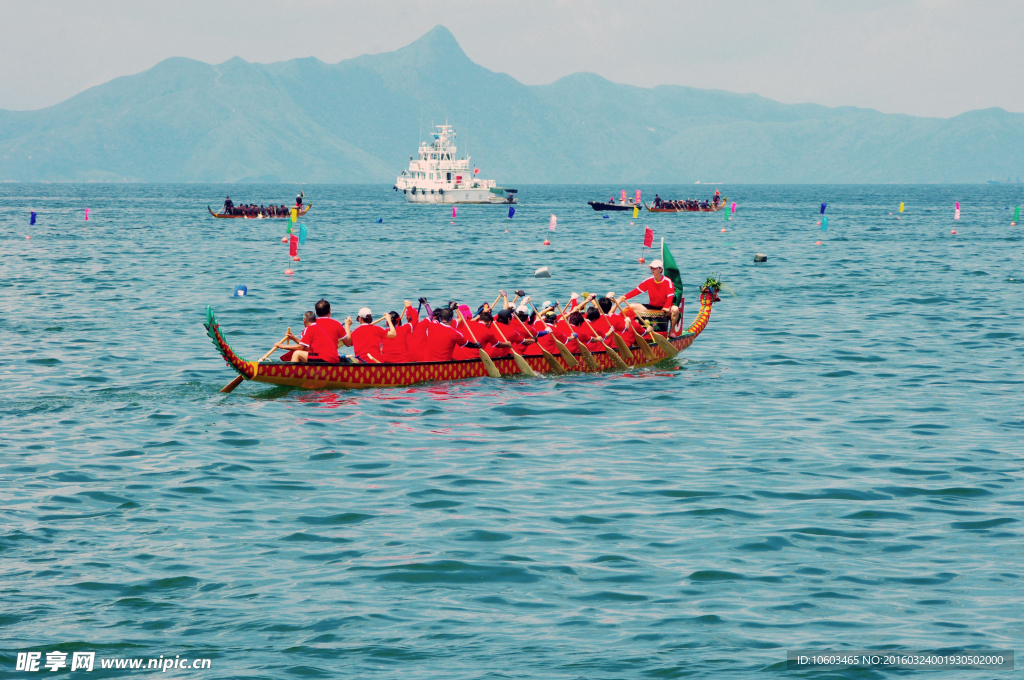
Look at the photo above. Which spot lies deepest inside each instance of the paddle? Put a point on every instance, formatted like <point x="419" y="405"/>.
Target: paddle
<point x="230" y="387"/>
<point x="640" y="340"/>
<point x="612" y="354"/>
<point x="524" y="367"/>
<point x="562" y="349"/>
<point x="620" y="342"/>
<point x="661" y="340"/>
<point x="588" y="358"/>
<point x="492" y="370"/>
<point x="552" y="362"/>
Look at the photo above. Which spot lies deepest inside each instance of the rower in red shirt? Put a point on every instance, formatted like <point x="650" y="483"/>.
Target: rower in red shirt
<point x="602" y="329"/>
<point x="366" y="340"/>
<point x="396" y="350"/>
<point x="660" y="291"/>
<point x="299" y="352"/>
<point x="545" y="331"/>
<point x="485" y="337"/>
<point x="334" y="333"/>
<point x="442" y="339"/>
<point x="515" y="333"/>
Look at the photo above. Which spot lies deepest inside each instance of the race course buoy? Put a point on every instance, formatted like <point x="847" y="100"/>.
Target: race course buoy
<point x="760" y="257"/>
<point x="542" y="273"/>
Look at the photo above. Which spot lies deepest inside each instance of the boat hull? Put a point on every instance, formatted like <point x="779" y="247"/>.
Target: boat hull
<point x="597" y="205"/>
<point x="358" y="376"/>
<point x="221" y="216"/>
<point x="475" y="196"/>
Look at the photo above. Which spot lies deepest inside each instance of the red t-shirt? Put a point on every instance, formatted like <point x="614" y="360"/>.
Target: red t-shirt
<point x="366" y="341"/>
<point x="600" y="325"/>
<point x="441" y="342"/>
<point x="396" y="349"/>
<point x="321" y="345"/>
<point x="662" y="295"/>
<point x="484" y="336"/>
<point x="513" y="335"/>
<point x="333" y="330"/>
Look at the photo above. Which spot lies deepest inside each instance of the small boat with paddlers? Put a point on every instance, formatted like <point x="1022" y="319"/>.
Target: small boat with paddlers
<point x="350" y="375"/>
<point x="264" y="214"/>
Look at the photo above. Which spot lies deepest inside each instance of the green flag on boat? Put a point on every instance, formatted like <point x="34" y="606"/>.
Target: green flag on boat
<point x="672" y="271"/>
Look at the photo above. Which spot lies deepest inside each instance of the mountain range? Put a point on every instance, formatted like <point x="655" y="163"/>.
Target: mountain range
<point x="359" y="120"/>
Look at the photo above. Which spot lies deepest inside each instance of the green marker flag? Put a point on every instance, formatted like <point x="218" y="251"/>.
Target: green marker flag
<point x="824" y="222"/>
<point x="672" y="271"/>
<point x="1016" y="214"/>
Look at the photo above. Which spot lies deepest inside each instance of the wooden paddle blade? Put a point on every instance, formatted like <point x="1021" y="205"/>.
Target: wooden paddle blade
<point x="230" y="387"/>
<point x="588" y="358"/>
<point x="665" y="345"/>
<point x="492" y="370"/>
<point x="558" y="368"/>
<point x="566" y="354"/>
<point x="524" y="367"/>
<point x="624" y="351"/>
<point x="616" y="359"/>
<point x="645" y="348"/>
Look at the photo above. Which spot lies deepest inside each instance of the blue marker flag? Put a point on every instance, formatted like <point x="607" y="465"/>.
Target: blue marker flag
<point x="823" y="206"/>
<point x="302" y="232"/>
<point x="32" y="220"/>
<point x="511" y="212"/>
<point x="380" y="220"/>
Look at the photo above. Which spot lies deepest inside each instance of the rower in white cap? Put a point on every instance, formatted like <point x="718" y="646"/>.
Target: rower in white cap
<point x="366" y="339"/>
<point x="660" y="291"/>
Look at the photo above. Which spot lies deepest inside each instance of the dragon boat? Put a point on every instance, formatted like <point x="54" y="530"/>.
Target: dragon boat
<point x="222" y="216"/>
<point x="601" y="205"/>
<point x="710" y="208"/>
<point x="359" y="375"/>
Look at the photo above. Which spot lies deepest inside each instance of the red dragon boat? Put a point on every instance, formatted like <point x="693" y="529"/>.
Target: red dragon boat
<point x="358" y="375"/>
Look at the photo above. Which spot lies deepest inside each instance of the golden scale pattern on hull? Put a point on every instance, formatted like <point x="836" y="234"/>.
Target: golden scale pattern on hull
<point x="351" y="376"/>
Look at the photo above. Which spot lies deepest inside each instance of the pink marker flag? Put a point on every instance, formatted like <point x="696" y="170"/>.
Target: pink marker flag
<point x="734" y="207"/>
<point x="648" y="237"/>
<point x="623" y="195"/>
<point x="86" y="214"/>
<point x="551" y="224"/>
<point x="455" y="211"/>
<point x="293" y="247"/>
<point x="637" y="195"/>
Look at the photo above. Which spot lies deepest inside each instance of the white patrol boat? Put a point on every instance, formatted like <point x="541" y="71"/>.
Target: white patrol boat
<point x="437" y="176"/>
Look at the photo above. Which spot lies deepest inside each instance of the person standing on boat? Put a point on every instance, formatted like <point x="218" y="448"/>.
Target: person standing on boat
<point x="660" y="291"/>
<point x="718" y="197"/>
<point x="228" y="205"/>
<point x="657" y="201"/>
<point x="298" y="200"/>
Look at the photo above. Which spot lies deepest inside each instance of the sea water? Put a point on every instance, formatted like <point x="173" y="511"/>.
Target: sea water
<point x="835" y="463"/>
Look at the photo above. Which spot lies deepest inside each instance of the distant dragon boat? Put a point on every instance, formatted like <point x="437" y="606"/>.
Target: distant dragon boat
<point x="222" y="216"/>
<point x="601" y="205"/>
<point x="710" y="208"/>
<point x="360" y="375"/>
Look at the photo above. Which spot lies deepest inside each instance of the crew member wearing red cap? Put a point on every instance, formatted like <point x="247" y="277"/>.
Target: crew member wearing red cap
<point x="660" y="291"/>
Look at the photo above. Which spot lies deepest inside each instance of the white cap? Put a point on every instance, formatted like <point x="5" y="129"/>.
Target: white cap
<point x="656" y="264"/>
<point x="523" y="308"/>
<point x="365" y="311"/>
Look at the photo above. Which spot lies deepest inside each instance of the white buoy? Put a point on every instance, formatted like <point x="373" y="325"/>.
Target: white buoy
<point x="542" y="273"/>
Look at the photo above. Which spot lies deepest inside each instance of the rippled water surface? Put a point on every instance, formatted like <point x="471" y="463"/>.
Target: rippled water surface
<point x="835" y="462"/>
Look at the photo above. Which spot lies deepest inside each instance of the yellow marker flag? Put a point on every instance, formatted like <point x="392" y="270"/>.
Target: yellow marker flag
<point x="295" y="214"/>
<point x="901" y="206"/>
<point x="636" y="210"/>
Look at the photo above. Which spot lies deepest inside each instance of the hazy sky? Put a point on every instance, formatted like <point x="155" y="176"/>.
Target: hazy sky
<point x="928" y="58"/>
